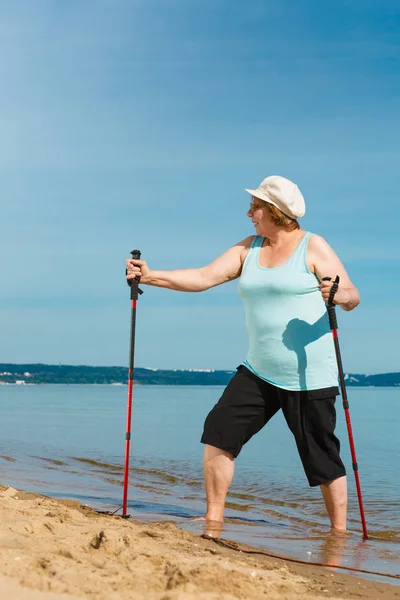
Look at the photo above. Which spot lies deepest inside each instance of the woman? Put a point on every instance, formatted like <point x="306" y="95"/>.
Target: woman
<point x="291" y="362"/>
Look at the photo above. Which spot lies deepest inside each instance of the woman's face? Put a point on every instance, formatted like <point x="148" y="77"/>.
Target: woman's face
<point x="259" y="215"/>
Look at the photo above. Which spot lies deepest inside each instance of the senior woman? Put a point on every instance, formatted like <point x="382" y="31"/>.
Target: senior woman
<point x="291" y="362"/>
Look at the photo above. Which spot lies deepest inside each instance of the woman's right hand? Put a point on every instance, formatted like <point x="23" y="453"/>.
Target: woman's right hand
<point x="137" y="268"/>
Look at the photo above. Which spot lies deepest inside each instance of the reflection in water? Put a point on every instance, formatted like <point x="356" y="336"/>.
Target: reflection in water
<point x="333" y="548"/>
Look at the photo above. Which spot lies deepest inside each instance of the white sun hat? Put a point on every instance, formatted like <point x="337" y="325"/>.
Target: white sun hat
<point x="282" y="193"/>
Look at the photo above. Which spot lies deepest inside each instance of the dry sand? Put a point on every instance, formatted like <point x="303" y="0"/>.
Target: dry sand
<point x="60" y="550"/>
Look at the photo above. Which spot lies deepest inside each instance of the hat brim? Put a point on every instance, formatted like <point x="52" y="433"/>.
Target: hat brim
<point x="261" y="196"/>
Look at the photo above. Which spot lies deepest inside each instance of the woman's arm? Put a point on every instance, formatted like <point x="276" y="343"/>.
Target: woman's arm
<point x="324" y="262"/>
<point x="225" y="268"/>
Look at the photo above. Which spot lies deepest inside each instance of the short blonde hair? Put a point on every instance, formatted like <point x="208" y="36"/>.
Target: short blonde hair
<point x="280" y="219"/>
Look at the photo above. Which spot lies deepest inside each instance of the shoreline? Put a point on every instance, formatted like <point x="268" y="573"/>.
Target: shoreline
<point x="61" y="550"/>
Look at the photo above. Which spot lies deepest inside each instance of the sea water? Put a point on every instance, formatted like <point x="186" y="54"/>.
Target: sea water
<point x="69" y="441"/>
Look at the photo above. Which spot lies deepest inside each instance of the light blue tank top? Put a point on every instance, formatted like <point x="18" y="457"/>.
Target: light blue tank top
<point x="290" y="342"/>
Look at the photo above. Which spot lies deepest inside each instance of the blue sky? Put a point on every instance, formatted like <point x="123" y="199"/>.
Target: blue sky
<point x="138" y="124"/>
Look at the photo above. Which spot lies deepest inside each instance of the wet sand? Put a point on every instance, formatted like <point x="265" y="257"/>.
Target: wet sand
<point x="61" y="550"/>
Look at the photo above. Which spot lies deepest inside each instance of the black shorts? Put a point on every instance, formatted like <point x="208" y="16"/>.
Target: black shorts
<point x="248" y="403"/>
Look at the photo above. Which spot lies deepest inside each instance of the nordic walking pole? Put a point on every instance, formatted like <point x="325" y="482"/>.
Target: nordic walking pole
<point x="330" y="307"/>
<point x="135" y="291"/>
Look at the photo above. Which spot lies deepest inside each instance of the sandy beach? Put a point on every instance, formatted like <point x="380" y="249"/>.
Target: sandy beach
<point x="58" y="549"/>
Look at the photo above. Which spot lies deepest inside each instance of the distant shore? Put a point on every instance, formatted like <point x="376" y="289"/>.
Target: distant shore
<point x="37" y="373"/>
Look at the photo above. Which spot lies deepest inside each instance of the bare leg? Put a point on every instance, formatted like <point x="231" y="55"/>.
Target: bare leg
<point x="334" y="494"/>
<point x="218" y="473"/>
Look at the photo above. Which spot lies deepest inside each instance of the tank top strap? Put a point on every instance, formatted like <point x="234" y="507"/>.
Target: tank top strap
<point x="252" y="254"/>
<point x="257" y="241"/>
<point x="298" y="260"/>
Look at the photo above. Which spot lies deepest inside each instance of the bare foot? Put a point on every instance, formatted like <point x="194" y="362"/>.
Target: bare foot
<point x="213" y="529"/>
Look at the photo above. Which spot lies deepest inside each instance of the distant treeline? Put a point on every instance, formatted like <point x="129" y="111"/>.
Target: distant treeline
<point x="70" y="374"/>
<point x="39" y="373"/>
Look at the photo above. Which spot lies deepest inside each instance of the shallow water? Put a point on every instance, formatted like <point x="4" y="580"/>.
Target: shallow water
<point x="69" y="441"/>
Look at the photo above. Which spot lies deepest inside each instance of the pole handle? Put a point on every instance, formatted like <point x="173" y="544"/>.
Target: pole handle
<point x="330" y="307"/>
<point x="134" y="283"/>
<point x="136" y="254"/>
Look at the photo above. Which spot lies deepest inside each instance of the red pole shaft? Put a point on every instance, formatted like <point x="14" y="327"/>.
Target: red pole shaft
<point x="129" y="409"/>
<point x="349" y="430"/>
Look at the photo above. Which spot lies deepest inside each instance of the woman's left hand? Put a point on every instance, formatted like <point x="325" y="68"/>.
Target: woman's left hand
<point x="323" y="262"/>
<point x="342" y="296"/>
